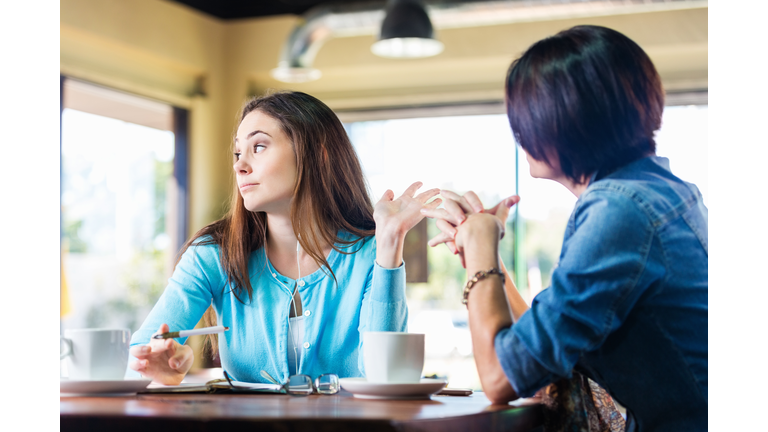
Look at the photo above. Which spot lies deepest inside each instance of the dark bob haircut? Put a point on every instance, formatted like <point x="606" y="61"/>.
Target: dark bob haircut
<point x="589" y="96"/>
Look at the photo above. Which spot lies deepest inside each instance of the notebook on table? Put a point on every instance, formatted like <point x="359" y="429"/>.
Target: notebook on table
<point x="214" y="386"/>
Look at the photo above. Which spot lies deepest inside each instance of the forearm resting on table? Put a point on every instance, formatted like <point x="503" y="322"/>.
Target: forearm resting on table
<point x="489" y="312"/>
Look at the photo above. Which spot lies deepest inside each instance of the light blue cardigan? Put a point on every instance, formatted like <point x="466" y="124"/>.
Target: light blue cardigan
<point x="367" y="298"/>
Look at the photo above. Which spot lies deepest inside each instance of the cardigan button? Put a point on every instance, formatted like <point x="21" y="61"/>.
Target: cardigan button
<point x="307" y="313"/>
<point x="306" y="345"/>
<point x="301" y="283"/>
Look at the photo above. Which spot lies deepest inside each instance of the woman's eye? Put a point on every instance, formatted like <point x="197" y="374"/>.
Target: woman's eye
<point x="237" y="156"/>
<point x="258" y="148"/>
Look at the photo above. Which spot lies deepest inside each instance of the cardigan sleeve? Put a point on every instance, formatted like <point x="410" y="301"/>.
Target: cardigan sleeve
<point x="187" y="296"/>
<point x="384" y="305"/>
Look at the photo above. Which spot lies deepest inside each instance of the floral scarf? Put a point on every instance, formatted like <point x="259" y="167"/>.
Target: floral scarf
<point x="579" y="404"/>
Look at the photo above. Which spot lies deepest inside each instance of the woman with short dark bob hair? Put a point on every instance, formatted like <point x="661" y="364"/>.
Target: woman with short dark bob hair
<point x="628" y="302"/>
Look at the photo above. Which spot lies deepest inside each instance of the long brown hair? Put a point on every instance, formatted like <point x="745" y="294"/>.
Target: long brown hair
<point x="330" y="194"/>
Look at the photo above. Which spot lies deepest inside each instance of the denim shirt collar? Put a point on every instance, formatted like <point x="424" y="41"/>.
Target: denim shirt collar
<point x="634" y="165"/>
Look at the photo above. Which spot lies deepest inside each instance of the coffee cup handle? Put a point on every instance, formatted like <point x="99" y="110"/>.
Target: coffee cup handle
<point x="67" y="344"/>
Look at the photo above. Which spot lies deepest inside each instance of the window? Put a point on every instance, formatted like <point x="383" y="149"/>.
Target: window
<point x="683" y="139"/>
<point x="120" y="205"/>
<point x="477" y="152"/>
<point x="435" y="150"/>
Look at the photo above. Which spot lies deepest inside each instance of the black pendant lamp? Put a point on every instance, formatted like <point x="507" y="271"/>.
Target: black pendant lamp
<point x="406" y="32"/>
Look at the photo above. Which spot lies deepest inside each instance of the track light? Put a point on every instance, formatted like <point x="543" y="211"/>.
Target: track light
<point x="406" y="32"/>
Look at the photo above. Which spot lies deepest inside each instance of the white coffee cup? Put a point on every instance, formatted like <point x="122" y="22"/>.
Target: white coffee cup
<point x="96" y="354"/>
<point x="393" y="357"/>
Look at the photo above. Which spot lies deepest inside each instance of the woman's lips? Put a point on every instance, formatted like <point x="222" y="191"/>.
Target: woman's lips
<point x="247" y="185"/>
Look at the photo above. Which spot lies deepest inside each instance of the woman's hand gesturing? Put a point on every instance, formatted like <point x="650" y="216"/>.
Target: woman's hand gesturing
<point x="395" y="217"/>
<point x="401" y="214"/>
<point x="165" y="361"/>
<point x="464" y="220"/>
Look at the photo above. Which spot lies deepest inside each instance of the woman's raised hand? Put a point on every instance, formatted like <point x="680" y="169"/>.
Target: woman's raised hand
<point x="395" y="217"/>
<point x="401" y="214"/>
<point x="463" y="213"/>
<point x="165" y="361"/>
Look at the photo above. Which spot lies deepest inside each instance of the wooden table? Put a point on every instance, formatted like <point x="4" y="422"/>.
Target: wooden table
<point x="270" y="412"/>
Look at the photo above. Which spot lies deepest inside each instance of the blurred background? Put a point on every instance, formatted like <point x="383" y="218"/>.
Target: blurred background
<point x="150" y="91"/>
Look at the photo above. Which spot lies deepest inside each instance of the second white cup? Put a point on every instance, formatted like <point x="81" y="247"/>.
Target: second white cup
<point x="96" y="354"/>
<point x="393" y="357"/>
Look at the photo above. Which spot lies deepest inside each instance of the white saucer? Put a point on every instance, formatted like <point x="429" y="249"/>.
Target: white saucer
<point x="69" y="387"/>
<point x="362" y="389"/>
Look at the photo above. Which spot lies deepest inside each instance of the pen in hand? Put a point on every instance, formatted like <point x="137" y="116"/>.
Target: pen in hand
<point x="193" y="332"/>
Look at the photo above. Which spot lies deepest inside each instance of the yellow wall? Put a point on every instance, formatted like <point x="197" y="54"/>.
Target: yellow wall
<point x="164" y="51"/>
<point x="171" y="53"/>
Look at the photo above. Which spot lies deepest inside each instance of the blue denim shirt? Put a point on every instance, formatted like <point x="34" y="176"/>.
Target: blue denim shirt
<point x="628" y="301"/>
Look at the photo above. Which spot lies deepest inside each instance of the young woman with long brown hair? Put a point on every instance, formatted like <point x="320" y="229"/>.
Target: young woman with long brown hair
<point x="302" y="263"/>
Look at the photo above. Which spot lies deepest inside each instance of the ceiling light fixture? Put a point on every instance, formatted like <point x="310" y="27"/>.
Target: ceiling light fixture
<point x="406" y="32"/>
<point x="351" y="19"/>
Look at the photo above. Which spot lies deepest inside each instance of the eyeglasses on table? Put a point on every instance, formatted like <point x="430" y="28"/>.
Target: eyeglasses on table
<point x="301" y="385"/>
